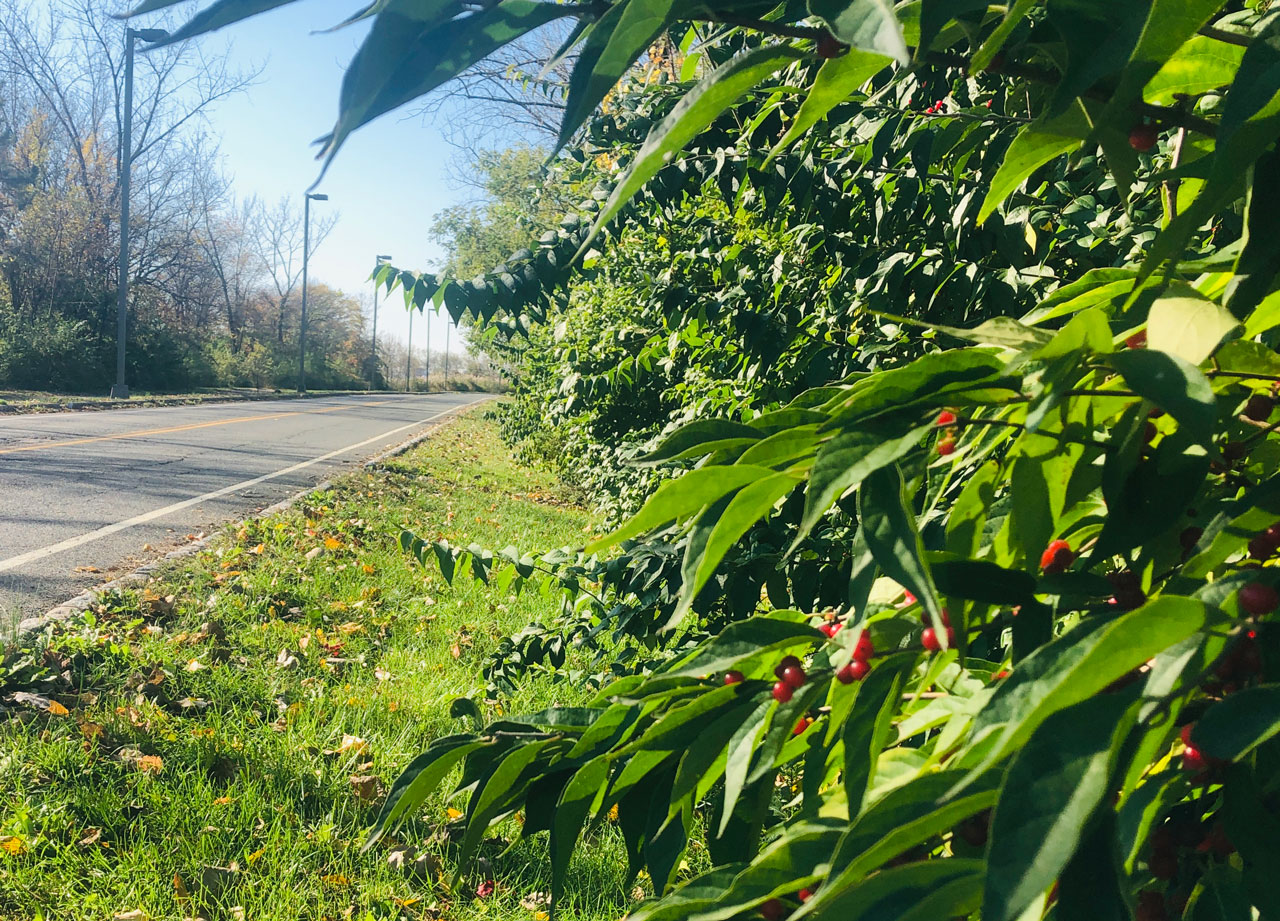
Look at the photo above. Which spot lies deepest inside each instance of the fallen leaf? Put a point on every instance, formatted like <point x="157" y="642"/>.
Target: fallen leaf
<point x="12" y="845"/>
<point x="314" y="552"/>
<point x="349" y="744"/>
<point x="180" y="889"/>
<point x="223" y="801"/>
<point x="57" y="709"/>
<point x="453" y="813"/>
<point x="485" y="889"/>
<point x="286" y="659"/>
<point x="195" y="665"/>
<point x="366" y="787"/>
<point x="136" y="915"/>
<point x="255" y="856"/>
<point x="259" y="550"/>
<point x="90" y="838"/>
<point x="87" y="569"/>
<point x="336" y="879"/>
<point x="151" y="764"/>
<point x="381" y="674"/>
<point x="332" y="543"/>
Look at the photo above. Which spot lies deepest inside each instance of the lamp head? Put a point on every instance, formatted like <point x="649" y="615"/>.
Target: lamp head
<point x="317" y="196"/>
<point x="149" y="35"/>
<point x="384" y="259"/>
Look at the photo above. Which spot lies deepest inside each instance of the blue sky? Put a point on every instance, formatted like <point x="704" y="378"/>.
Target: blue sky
<point x="388" y="179"/>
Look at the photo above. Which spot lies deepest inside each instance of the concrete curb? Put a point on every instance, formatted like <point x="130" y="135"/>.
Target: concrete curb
<point x="31" y="627"/>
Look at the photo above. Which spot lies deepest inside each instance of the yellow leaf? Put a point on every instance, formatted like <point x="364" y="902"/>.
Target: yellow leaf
<point x="57" y="709"/>
<point x="336" y="879"/>
<point x="12" y="845"/>
<point x="453" y="813"/>
<point x="180" y="889"/>
<point x="255" y="856"/>
<point x="332" y="543"/>
<point x="259" y="550"/>
<point x="368" y="570"/>
<point x="223" y="801"/>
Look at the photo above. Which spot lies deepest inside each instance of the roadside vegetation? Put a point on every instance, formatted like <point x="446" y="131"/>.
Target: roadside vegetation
<point x="223" y="737"/>
<point x="919" y="360"/>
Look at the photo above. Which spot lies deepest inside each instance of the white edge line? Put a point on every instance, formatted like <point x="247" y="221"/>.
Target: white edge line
<point x="70" y="543"/>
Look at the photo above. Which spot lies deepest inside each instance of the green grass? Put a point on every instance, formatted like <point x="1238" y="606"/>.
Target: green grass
<point x="247" y="767"/>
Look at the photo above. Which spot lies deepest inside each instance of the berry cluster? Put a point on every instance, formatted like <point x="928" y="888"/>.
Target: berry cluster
<point x="929" y="636"/>
<point x="947" y="440"/>
<point x="1057" y="557"/>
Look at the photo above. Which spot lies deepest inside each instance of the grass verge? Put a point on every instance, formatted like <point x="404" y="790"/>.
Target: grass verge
<point x="216" y="744"/>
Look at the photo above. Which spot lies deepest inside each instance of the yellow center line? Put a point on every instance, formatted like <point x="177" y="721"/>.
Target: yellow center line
<point x="181" y="428"/>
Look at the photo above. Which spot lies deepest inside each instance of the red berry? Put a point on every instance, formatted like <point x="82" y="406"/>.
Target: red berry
<point x="1185" y="734"/>
<point x="929" y="639"/>
<point x="988" y="103"/>
<point x="734" y="677"/>
<point x="1138" y="340"/>
<point x="773" y="910"/>
<point x="910" y="598"/>
<point x="829" y="46"/>
<point x="1262" y="547"/>
<point x="1143" y="137"/>
<point x="786" y="663"/>
<point x="829" y="629"/>
<point x="801" y="725"/>
<point x="946" y="445"/>
<point x="864" y="649"/>
<point x="1003" y="673"/>
<point x="1193" y="760"/>
<point x="1257" y="599"/>
<point x="946" y="417"/>
<point x="804" y="895"/>
<point x="854" y="671"/>
<point x="1057" y="557"/>
<point x="782" y="692"/>
<point x="1259" y="407"/>
<point x="793" y="676"/>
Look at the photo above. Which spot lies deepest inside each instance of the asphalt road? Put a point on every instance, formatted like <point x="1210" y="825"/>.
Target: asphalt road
<point x="83" y="493"/>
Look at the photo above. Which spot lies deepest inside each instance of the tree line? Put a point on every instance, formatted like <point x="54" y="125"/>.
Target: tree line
<point x="215" y="287"/>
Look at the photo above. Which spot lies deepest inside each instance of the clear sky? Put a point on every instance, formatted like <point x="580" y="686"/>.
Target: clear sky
<point x="388" y="179"/>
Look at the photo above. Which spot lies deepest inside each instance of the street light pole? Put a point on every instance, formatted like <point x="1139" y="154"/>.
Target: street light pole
<point x="306" y="253"/>
<point x="373" y="352"/>
<point x="121" y="389"/>
<point x="448" y="335"/>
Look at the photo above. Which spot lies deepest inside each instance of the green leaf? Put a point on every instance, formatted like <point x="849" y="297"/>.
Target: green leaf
<point x="991" y="47"/>
<point x="1200" y="65"/>
<point x="615" y="42"/>
<point x="1094" y="288"/>
<point x="1259" y="261"/>
<point x="847" y="459"/>
<point x="1074" y="667"/>
<point x="982" y="580"/>
<point x="738" y="760"/>
<point x="1055" y="783"/>
<point x="705" y="436"/>
<point x="1173" y="384"/>
<point x="1035" y="145"/>
<point x="213" y="17"/>
<point x="497" y="794"/>
<point x="866" y="730"/>
<point x="420" y="778"/>
<point x="1189" y="327"/>
<point x="897" y="892"/>
<point x="1254" y="829"/>
<point x="1250" y="123"/>
<point x="580" y="797"/>
<point x="1265" y="317"/>
<point x="416" y="46"/>
<point x="1090" y="885"/>
<point x="722" y="529"/>
<point x="836" y="81"/>
<point x="866" y="24"/>
<point x="1238" y="724"/>
<point x="1170" y="23"/>
<point x="756" y="637"/>
<point x="885" y="517"/>
<point x="690" y="116"/>
<point x="682" y="497"/>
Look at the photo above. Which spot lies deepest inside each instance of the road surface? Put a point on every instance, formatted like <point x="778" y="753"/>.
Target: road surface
<point x="82" y="493"/>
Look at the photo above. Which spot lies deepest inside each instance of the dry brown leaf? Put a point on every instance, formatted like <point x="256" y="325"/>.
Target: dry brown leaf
<point x="366" y="787"/>
<point x="349" y="745"/>
<point x="57" y="709"/>
<point x="91" y="837"/>
<point x="151" y="764"/>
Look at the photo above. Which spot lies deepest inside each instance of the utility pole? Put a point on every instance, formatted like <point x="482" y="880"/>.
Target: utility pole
<point x="373" y="353"/>
<point x="306" y="253"/>
<point x="121" y="389"/>
<point x="448" y="334"/>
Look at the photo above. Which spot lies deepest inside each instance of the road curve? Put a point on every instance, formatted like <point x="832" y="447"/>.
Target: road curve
<point x="82" y="493"/>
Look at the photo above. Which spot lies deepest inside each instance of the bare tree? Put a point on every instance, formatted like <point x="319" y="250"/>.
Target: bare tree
<point x="279" y="242"/>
